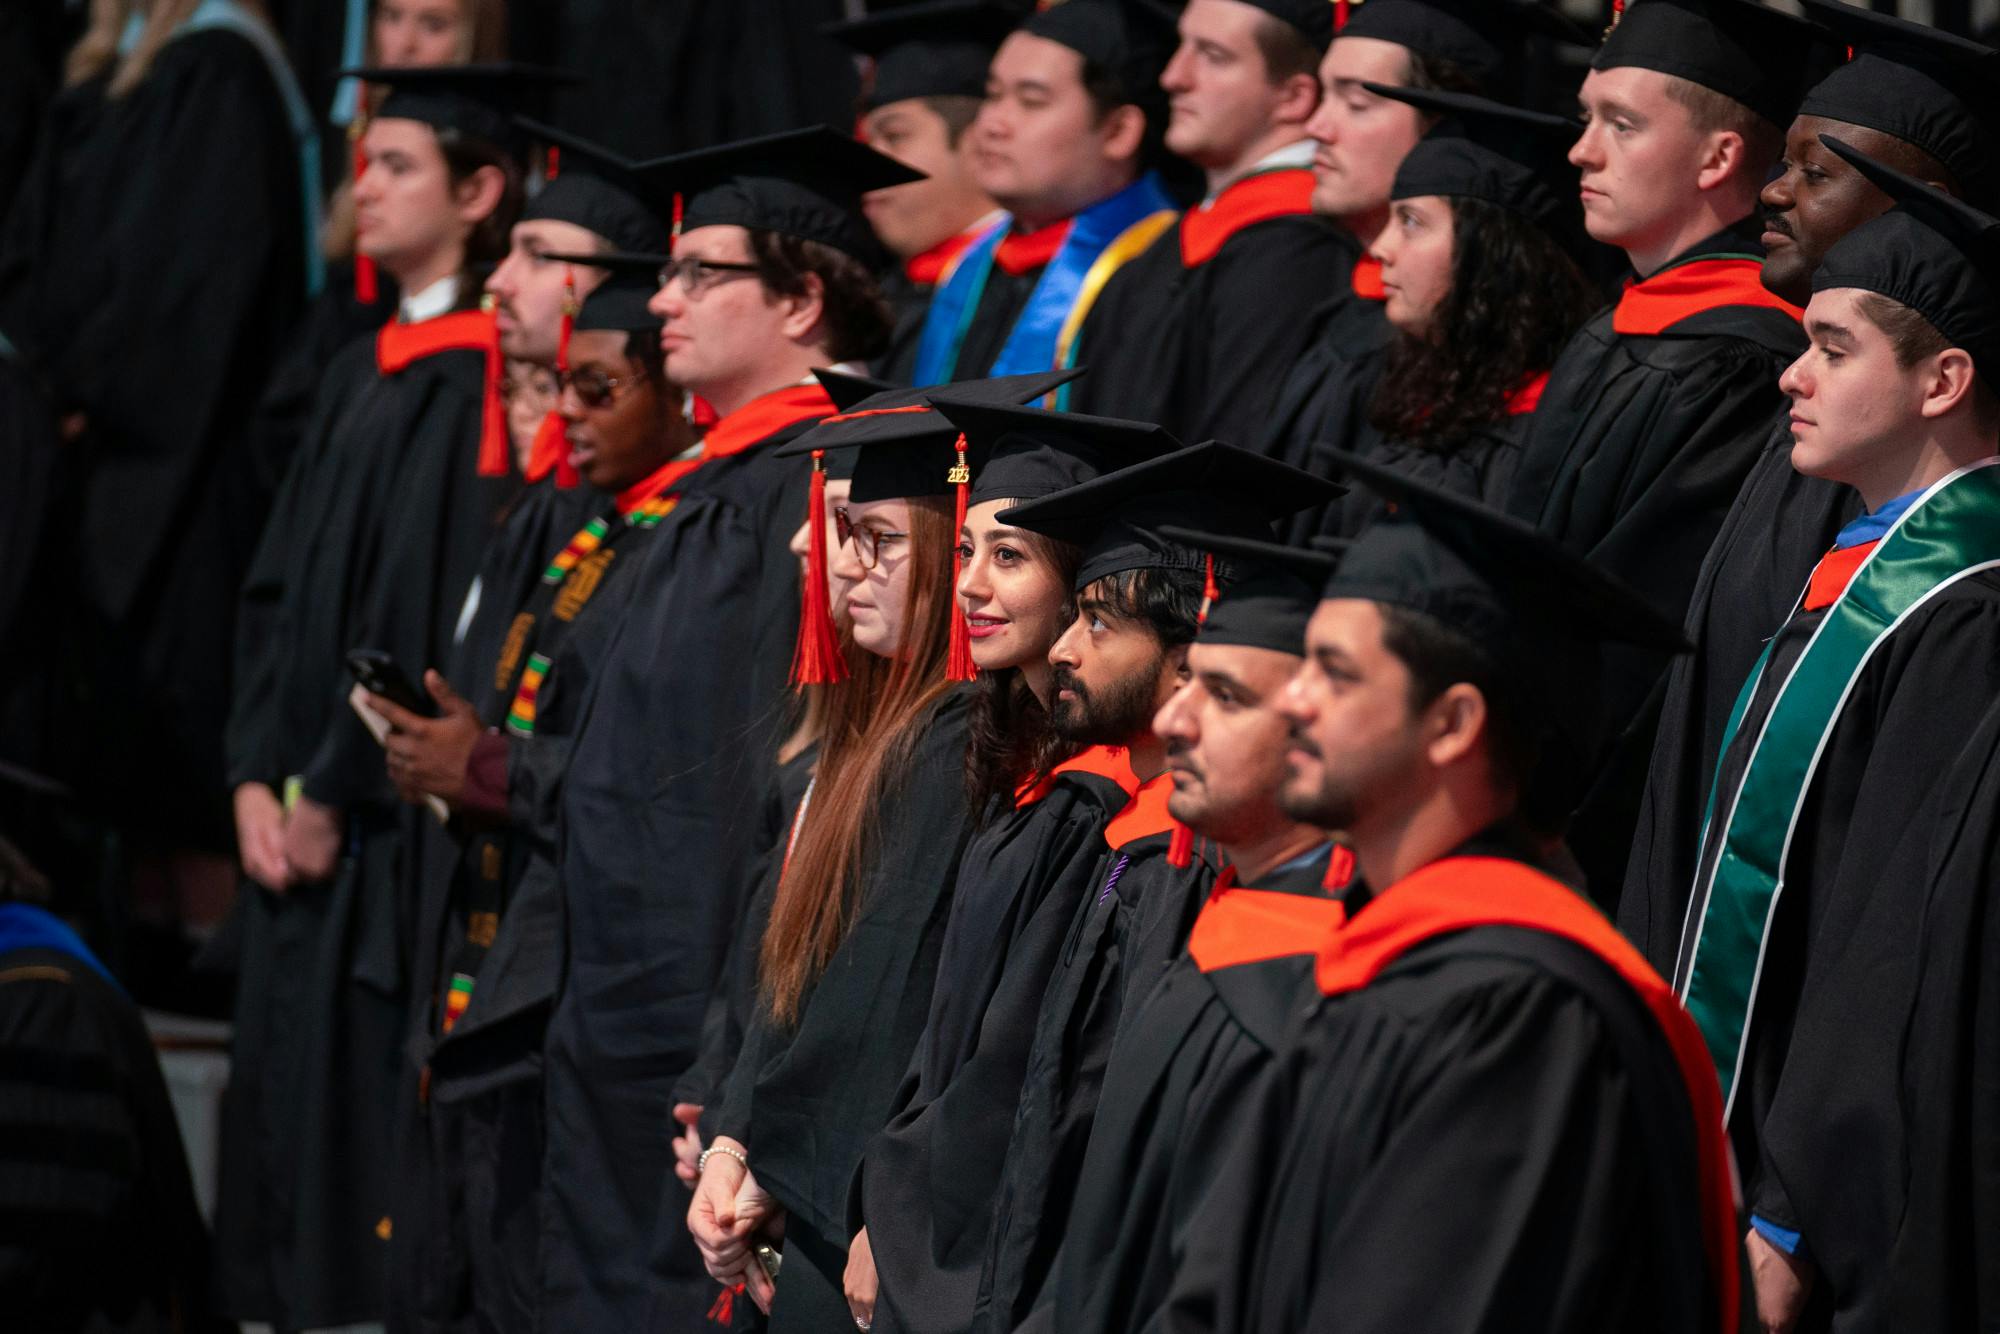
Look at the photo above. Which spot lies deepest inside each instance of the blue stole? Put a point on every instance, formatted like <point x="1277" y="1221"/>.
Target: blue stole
<point x="210" y="14"/>
<point x="1031" y="346"/>
<point x="26" y="927"/>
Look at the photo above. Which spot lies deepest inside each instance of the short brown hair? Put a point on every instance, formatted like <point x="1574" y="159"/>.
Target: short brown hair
<point x="1286" y="51"/>
<point x="957" y="111"/>
<point x="857" y="319"/>
<point x="1911" y="335"/>
<point x="464" y="155"/>
<point x="1712" y="112"/>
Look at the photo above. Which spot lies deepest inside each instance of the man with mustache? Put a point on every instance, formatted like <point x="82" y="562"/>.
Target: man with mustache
<point x="1139" y="602"/>
<point x="1920" y="101"/>
<point x="1202" y="1041"/>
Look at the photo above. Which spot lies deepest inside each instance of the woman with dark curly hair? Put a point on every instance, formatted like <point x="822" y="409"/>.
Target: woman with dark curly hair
<point x="1482" y="293"/>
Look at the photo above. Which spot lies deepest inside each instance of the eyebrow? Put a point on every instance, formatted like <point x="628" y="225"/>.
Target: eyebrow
<point x="1212" y="679"/>
<point x="1345" y="85"/>
<point x="1828" y="329"/>
<point x="1610" y="108"/>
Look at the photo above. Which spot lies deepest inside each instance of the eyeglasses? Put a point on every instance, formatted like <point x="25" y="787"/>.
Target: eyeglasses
<point x="867" y="542"/>
<point x="698" y="275"/>
<point x="593" y="388"/>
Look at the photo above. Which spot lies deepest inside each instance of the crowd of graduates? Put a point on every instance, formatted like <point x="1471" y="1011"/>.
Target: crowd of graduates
<point x="1250" y="665"/>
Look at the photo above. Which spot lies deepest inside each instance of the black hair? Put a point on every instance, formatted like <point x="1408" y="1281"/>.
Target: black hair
<point x="464" y="155"/>
<point x="1167" y="602"/>
<point x="1013" y="743"/>
<point x="1516" y="298"/>
<point x="956" y="110"/>
<point x="1287" y="52"/>
<point x="1108" y="91"/>
<point x="857" y="318"/>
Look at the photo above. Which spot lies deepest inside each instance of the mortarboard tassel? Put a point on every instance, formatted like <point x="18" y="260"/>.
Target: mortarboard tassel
<point x="495" y="452"/>
<point x="816" y="660"/>
<point x="566" y="474"/>
<point x="1339" y="14"/>
<point x="552" y="164"/>
<point x="1209" y="592"/>
<point x="724" y="1310"/>
<point x="1340" y="867"/>
<point x="1180" y="848"/>
<point x="959" y="665"/>
<point x="366" y="288"/>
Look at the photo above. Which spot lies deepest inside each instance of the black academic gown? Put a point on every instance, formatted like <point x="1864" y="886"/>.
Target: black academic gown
<point x="910" y="302"/>
<point x="1779" y="527"/>
<point x="1316" y="401"/>
<point x="377" y="531"/>
<point x="151" y="276"/>
<point x="1903" y="1233"/>
<point x="1202" y="345"/>
<point x="1491" y="1135"/>
<point x="464" y="1252"/>
<point x="1200" y="1048"/>
<point x="926" y="1185"/>
<point x="1882" y="769"/>
<point x="658" y="819"/>
<point x="99" y="1228"/>
<point x="806" y="1100"/>
<point x="1123" y="934"/>
<point x="1634" y="457"/>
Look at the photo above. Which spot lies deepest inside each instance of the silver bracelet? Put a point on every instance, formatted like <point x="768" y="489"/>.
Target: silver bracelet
<point x="701" y="1163"/>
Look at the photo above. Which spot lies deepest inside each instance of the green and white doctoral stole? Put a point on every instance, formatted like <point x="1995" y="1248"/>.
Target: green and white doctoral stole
<point x="1949" y="534"/>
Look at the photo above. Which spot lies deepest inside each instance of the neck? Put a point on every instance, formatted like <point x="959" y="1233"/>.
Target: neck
<point x="1704" y="219"/>
<point x="1276" y="137"/>
<point x="960" y="222"/>
<point x="420" y="272"/>
<point x="1390" y="847"/>
<point x="1037" y="214"/>
<point x="1148" y="754"/>
<point x="1258" y="857"/>
<point x="1939" y="455"/>
<point x="779" y="373"/>
<point x="1040" y="678"/>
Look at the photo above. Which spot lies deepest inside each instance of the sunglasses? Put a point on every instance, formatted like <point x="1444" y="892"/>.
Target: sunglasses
<point x="592" y="387"/>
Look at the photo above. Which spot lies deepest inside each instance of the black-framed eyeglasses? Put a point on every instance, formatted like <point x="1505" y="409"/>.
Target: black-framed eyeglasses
<point x="592" y="387"/>
<point x="699" y="275"/>
<point x="867" y="542"/>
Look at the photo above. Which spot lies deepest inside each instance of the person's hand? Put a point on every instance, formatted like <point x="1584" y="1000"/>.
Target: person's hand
<point x="260" y="835"/>
<point x="859" y="1281"/>
<point x="429" y="755"/>
<point x="1781" y="1282"/>
<point x="687" y="1144"/>
<point x="313" y="836"/>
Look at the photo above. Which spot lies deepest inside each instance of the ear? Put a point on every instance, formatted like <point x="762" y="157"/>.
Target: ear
<point x="1123" y="132"/>
<point x="479" y="194"/>
<point x="802" y="313"/>
<point x="1454" y="724"/>
<point x="1297" y="99"/>
<point x="1948" y="383"/>
<point x="1723" y="158"/>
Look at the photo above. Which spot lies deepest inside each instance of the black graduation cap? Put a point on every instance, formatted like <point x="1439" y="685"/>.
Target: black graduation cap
<point x="1313" y="19"/>
<point x="1481" y="36"/>
<point x="906" y="447"/>
<point x="1925" y="87"/>
<point x="1024" y="453"/>
<point x="1757" y="56"/>
<point x="1117" y="518"/>
<point x="805" y="183"/>
<point x="848" y="390"/>
<point x="1490" y="151"/>
<point x="645" y="263"/>
<point x="939" y="48"/>
<point x="1133" y="39"/>
<point x="479" y="101"/>
<point x="1273" y="595"/>
<point x="619" y="303"/>
<point x="593" y="188"/>
<point x="1937" y="255"/>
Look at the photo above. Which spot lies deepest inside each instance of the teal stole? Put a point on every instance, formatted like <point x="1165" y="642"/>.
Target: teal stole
<point x="1951" y="533"/>
<point x="1032" y="345"/>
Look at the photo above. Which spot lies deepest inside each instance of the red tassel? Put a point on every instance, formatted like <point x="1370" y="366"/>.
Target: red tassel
<point x="816" y="660"/>
<point x="674" y="236"/>
<point x="366" y="288"/>
<point x="702" y="413"/>
<point x="1339" y="14"/>
<point x="1340" y="866"/>
<point x="553" y="165"/>
<point x="495" y="452"/>
<point x="959" y="665"/>
<point x="567" y="477"/>
<point x="724" y="1310"/>
<point x="1180" y="848"/>
<point x="1209" y="591"/>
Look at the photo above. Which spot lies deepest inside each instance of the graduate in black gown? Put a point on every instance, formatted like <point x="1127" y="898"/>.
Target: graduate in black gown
<point x="1846" y="729"/>
<point x="93" y="1159"/>
<point x="922" y="1198"/>
<point x="1063" y="143"/>
<point x="379" y="527"/>
<point x="1492" y="1114"/>
<point x="1202" y="1041"/>
<point x="1455" y="45"/>
<point x="674" y="737"/>
<point x="927" y="78"/>
<point x="1481" y="293"/>
<point x="1919" y="100"/>
<point x="1198" y="332"/>
<point x="1656" y="410"/>
<point x="1139" y="596"/>
<point x="152" y="264"/>
<point x="488" y="951"/>
<point x="850" y="954"/>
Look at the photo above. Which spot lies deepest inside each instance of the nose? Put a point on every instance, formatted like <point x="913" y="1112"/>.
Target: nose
<point x="1796" y="381"/>
<point x="1385" y="244"/>
<point x="568" y="404"/>
<point x="973" y="585"/>
<point x="1293" y="702"/>
<point x="844" y="564"/>
<point x="1320" y="125"/>
<point x="1778" y="195"/>
<point x="1583" y="153"/>
<point x="1064" y="653"/>
<point x="1177" y="76"/>
<point x="667" y="303"/>
<point x="1175" y="720"/>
